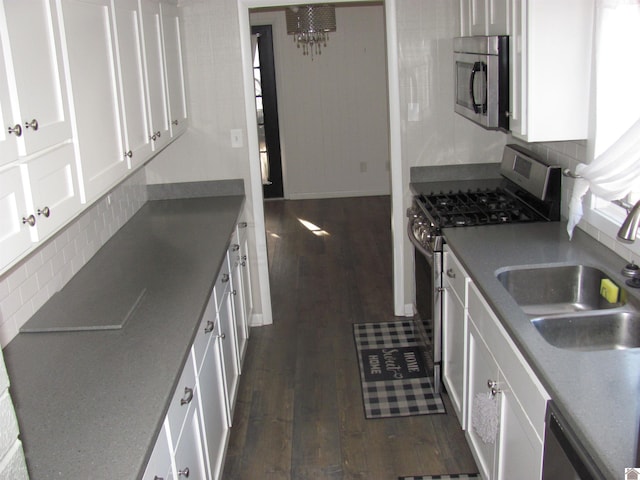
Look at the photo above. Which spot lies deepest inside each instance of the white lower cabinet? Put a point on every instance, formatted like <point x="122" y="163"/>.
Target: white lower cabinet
<point x="159" y="465"/>
<point x="189" y="456"/>
<point x="195" y="432"/>
<point x="15" y="235"/>
<point x="238" y="292"/>
<point x="215" y="423"/>
<point x="498" y="370"/>
<point x="454" y="334"/>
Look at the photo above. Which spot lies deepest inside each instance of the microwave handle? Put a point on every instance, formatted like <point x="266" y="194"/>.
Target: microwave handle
<point x="477" y="107"/>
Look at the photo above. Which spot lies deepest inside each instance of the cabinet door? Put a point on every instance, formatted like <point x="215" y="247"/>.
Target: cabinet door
<point x="229" y="349"/>
<point x="174" y="68"/>
<point x="132" y="81"/>
<point x="245" y="265"/>
<point x="156" y="86"/>
<point x="478" y="17"/>
<point x="498" y="17"/>
<point x="482" y="368"/>
<point x="53" y="181"/>
<point x="15" y="234"/>
<point x="189" y="457"/>
<point x="159" y="466"/>
<point x="214" y="410"/>
<point x="91" y="50"/>
<point x="520" y="450"/>
<point x="10" y="128"/>
<point x="517" y="70"/>
<point x="238" y="299"/>
<point x="37" y="66"/>
<point x="453" y="352"/>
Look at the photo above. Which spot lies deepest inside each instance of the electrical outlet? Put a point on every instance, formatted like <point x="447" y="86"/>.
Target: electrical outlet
<point x="236" y="138"/>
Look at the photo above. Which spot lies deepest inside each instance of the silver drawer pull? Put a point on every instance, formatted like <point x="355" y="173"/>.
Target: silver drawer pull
<point x="16" y="129"/>
<point x="188" y="396"/>
<point x="184" y="473"/>
<point x="222" y="336"/>
<point x="31" y="220"/>
<point x="235" y="247"/>
<point x="128" y="154"/>
<point x="225" y="277"/>
<point x="174" y="122"/>
<point x="156" y="477"/>
<point x="209" y="327"/>
<point x="242" y="225"/>
<point x="45" y="211"/>
<point x="450" y="273"/>
<point x="33" y="124"/>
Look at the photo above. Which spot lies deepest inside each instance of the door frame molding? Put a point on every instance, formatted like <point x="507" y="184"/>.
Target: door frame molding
<point x="399" y="173"/>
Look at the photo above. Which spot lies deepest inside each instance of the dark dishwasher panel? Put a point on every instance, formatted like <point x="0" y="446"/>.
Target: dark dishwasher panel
<point x="564" y="458"/>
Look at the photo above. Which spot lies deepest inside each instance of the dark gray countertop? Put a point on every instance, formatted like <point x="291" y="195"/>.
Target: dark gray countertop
<point x="598" y="392"/>
<point x="91" y="403"/>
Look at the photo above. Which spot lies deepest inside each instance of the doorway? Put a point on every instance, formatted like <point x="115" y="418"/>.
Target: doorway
<point x="264" y="76"/>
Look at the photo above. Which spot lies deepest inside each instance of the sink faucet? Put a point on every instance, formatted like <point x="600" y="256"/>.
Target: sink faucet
<point x="630" y="225"/>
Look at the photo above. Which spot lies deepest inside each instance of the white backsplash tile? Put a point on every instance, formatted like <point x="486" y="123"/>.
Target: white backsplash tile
<point x="25" y="288"/>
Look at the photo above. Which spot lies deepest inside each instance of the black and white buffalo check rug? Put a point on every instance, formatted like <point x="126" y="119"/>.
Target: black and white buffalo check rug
<point x="395" y="382"/>
<point x="457" y="476"/>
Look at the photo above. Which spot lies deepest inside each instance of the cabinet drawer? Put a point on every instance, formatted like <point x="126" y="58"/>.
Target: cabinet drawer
<point x="183" y="398"/>
<point x="523" y="382"/>
<point x="159" y="465"/>
<point x="455" y="276"/>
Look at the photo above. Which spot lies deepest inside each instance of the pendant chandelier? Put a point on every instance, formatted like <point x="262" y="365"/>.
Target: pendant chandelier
<point x="310" y="26"/>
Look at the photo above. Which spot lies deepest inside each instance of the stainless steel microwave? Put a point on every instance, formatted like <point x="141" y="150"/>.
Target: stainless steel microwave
<point x="482" y="80"/>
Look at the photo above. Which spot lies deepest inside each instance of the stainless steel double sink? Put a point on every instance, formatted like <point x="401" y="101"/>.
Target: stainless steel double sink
<point x="564" y="304"/>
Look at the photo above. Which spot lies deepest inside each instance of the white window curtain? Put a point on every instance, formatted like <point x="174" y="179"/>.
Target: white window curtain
<point x="614" y="140"/>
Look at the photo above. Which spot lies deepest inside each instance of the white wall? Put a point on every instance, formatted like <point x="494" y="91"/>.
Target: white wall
<point x="332" y="108"/>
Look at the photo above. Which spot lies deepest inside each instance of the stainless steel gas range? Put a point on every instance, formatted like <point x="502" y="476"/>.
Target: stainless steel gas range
<point x="526" y="190"/>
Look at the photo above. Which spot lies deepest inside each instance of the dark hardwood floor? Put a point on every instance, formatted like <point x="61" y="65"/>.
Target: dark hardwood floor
<point x="299" y="411"/>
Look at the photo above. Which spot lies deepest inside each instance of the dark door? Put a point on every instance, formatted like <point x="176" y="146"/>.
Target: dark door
<point x="264" y="75"/>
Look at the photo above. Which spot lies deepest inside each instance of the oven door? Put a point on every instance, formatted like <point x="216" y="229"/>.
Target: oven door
<point x="428" y="321"/>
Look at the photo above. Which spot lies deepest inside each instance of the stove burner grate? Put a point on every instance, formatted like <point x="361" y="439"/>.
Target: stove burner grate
<point x="456" y="209"/>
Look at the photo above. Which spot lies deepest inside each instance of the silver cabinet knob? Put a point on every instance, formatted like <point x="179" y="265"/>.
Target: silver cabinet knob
<point x="157" y="134"/>
<point x="242" y="225"/>
<point x="31" y="220"/>
<point x="16" y="129"/>
<point x="33" y="124"/>
<point x="493" y="387"/>
<point x="234" y="293"/>
<point x="222" y="336"/>
<point x="188" y="396"/>
<point x="235" y="247"/>
<point x="174" y="122"/>
<point x="184" y="473"/>
<point x="153" y="137"/>
<point x="225" y="277"/>
<point x="209" y="327"/>
<point x="450" y="273"/>
<point x="45" y="211"/>
<point x="128" y="154"/>
<point x="158" y="478"/>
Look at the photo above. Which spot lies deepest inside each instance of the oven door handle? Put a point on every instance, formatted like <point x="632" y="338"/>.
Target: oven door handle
<point x="427" y="253"/>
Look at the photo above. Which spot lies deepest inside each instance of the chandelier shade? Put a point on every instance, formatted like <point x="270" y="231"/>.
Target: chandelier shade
<point x="310" y="26"/>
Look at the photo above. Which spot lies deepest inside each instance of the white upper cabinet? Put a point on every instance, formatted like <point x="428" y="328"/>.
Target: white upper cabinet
<point x="15" y="218"/>
<point x="35" y="63"/>
<point x="175" y="72"/>
<point x="131" y="60"/>
<point x="550" y="60"/>
<point x="52" y="180"/>
<point x="484" y="17"/>
<point x="156" y="85"/>
<point x="90" y="46"/>
<point x="10" y="128"/>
